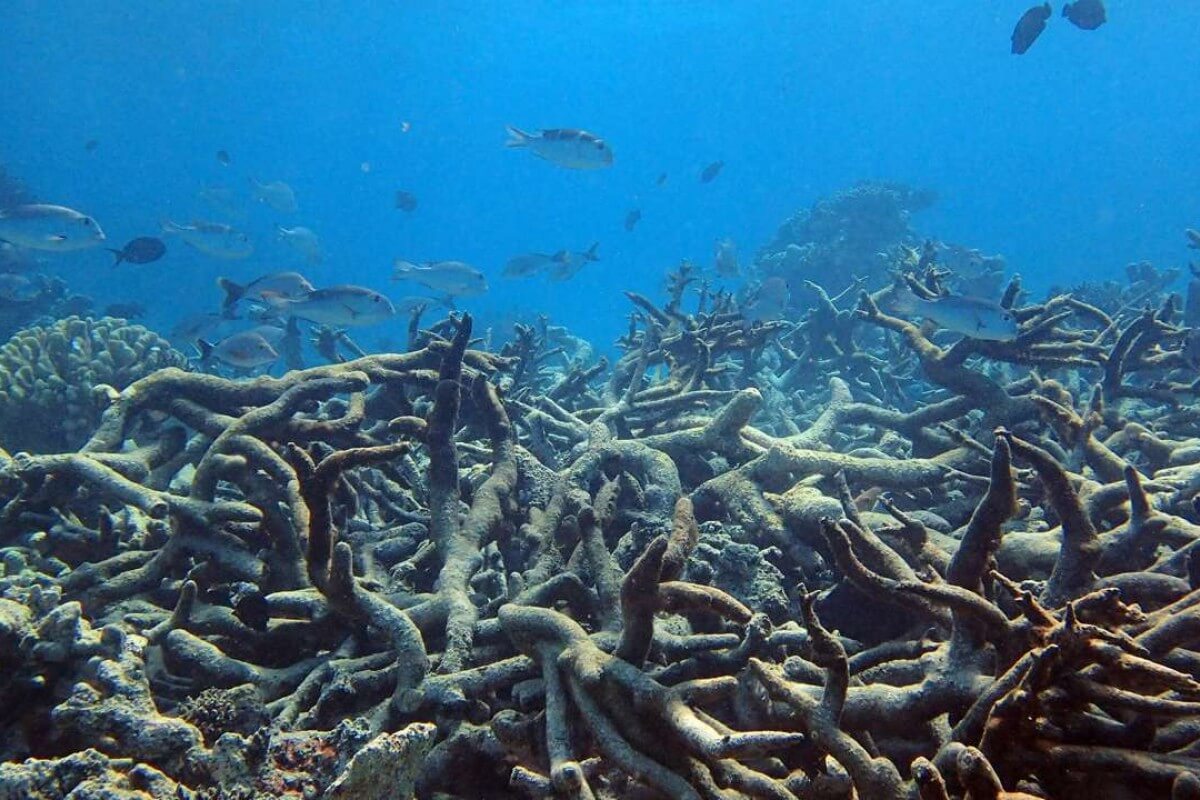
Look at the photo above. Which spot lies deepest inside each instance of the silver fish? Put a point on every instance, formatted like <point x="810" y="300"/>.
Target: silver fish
<point x="212" y="239"/>
<point x="275" y="194"/>
<point x="337" y="306"/>
<point x="567" y="263"/>
<point x="193" y="328"/>
<point x="768" y="301"/>
<point x="970" y="316"/>
<point x="56" y="229"/>
<point x="288" y="285"/>
<point x="303" y="240"/>
<point x="566" y="147"/>
<point x="527" y="264"/>
<point x="454" y="278"/>
<point x="245" y="350"/>
<point x="726" y="258"/>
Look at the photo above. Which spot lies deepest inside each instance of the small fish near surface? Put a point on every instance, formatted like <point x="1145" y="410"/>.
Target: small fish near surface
<point x="223" y="158"/>
<point x="303" y="240"/>
<point x="288" y="285"/>
<point x="406" y="201"/>
<point x="245" y="350"/>
<point x="726" y="258"/>
<point x="453" y="278"/>
<point x="277" y="195"/>
<point x="1086" y="14"/>
<point x="567" y="264"/>
<point x="662" y="179"/>
<point x="55" y="229"/>
<point x="336" y="306"/>
<point x="970" y="316"/>
<point x="710" y="173"/>
<point x="142" y="250"/>
<point x="212" y="238"/>
<point x="1029" y="28"/>
<point x="566" y="147"/>
<point x="632" y="219"/>
<point x="1193" y="238"/>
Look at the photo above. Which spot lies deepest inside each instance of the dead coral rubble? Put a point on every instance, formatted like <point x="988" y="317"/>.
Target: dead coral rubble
<point x="447" y="573"/>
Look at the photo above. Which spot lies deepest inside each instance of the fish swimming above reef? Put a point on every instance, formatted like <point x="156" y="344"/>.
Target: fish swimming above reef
<point x="245" y="350"/>
<point x="1086" y="14"/>
<point x="303" y="240"/>
<point x="632" y="219"/>
<point x="527" y="264"/>
<point x="55" y="229"/>
<point x="768" y="301"/>
<point x="1029" y="28"/>
<point x="288" y="285"/>
<point x="566" y="147"/>
<point x="142" y="250"/>
<point x="710" y="173"/>
<point x="277" y="195"/>
<point x="725" y="258"/>
<point x="212" y="238"/>
<point x="192" y="328"/>
<point x="453" y="278"/>
<point x="567" y="264"/>
<point x="970" y="316"/>
<point x="336" y="306"/>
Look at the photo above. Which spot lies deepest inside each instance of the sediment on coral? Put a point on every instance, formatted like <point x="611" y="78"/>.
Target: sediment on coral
<point x="955" y="569"/>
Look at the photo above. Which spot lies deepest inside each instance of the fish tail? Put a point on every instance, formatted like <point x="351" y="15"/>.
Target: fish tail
<point x="205" y="348"/>
<point x="593" y="252"/>
<point x="233" y="293"/>
<point x="516" y="137"/>
<point x="120" y="254"/>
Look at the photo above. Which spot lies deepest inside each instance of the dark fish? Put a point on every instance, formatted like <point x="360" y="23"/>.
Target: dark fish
<point x="711" y="172"/>
<point x="142" y="250"/>
<point x="91" y="145"/>
<point x="1193" y="238"/>
<point x="406" y="201"/>
<point x="662" y="178"/>
<point x="632" y="218"/>
<point x="1029" y="28"/>
<point x="1086" y="14"/>
<point x="252" y="609"/>
<point x="223" y="158"/>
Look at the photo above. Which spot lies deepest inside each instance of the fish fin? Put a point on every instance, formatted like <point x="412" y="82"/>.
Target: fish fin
<point x="593" y="252"/>
<point x="169" y="227"/>
<point x="233" y="293"/>
<point x="351" y="311"/>
<point x="120" y="254"/>
<point x="516" y="137"/>
<point x="55" y="237"/>
<point x="205" y="348"/>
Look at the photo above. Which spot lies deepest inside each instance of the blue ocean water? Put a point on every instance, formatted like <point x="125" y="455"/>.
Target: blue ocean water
<point x="1071" y="161"/>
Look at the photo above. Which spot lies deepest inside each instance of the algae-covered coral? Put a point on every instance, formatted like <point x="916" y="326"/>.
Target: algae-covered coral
<point x="49" y="377"/>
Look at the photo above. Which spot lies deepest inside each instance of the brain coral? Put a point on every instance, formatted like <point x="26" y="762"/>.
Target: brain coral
<point x="48" y="374"/>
